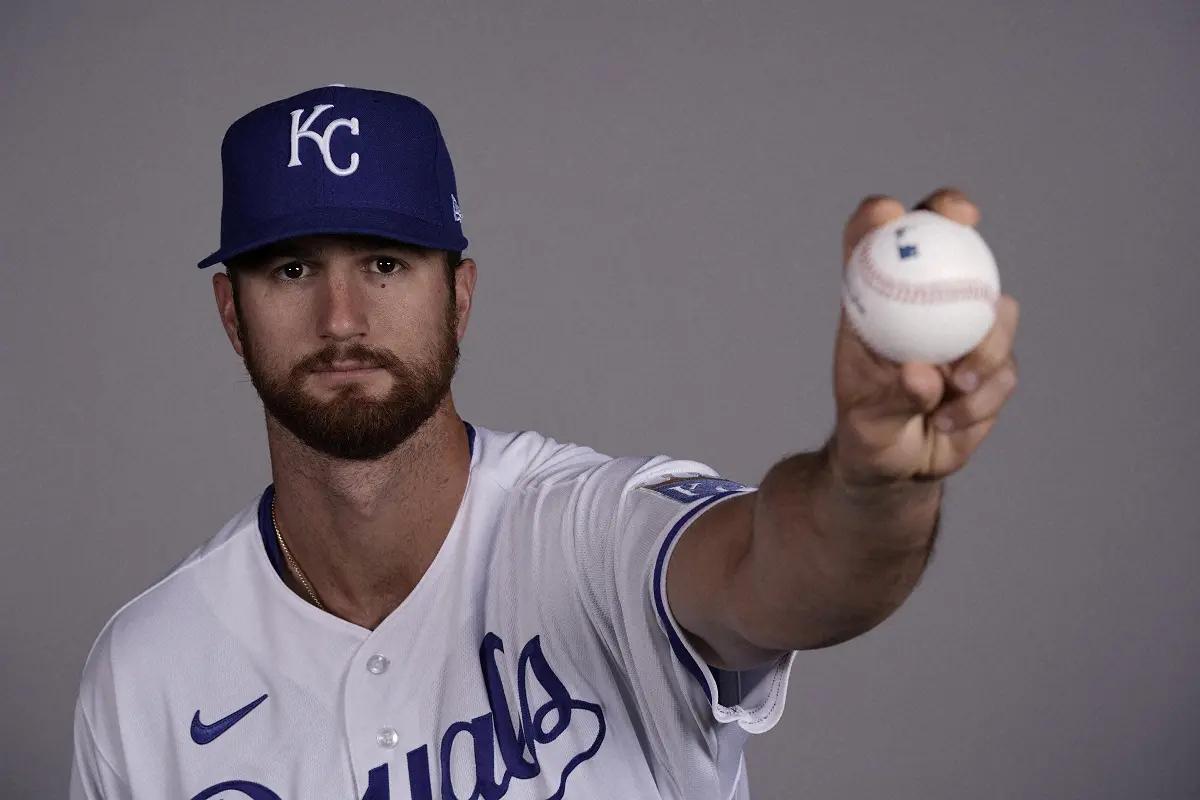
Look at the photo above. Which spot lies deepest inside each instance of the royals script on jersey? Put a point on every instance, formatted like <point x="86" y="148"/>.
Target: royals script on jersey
<point x="537" y="658"/>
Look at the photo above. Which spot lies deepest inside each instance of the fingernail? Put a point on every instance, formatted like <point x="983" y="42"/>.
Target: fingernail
<point x="944" y="424"/>
<point x="967" y="381"/>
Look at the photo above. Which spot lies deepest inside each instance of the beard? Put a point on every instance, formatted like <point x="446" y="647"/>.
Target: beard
<point x="354" y="425"/>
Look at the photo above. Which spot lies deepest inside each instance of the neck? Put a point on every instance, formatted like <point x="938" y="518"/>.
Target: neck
<point x="365" y="532"/>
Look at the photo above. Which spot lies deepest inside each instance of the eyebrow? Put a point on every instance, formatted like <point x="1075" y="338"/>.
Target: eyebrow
<point x="319" y="253"/>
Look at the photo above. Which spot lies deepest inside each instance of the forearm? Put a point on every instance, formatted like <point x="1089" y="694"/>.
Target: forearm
<point x="828" y="561"/>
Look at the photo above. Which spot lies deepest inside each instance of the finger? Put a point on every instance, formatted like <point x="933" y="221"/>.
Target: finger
<point x="923" y="385"/>
<point x="952" y="451"/>
<point x="873" y="211"/>
<point x="980" y="405"/>
<point x="994" y="352"/>
<point x="952" y="203"/>
<point x="910" y="391"/>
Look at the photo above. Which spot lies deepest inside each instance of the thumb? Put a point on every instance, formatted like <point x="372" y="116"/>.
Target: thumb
<point x="922" y="386"/>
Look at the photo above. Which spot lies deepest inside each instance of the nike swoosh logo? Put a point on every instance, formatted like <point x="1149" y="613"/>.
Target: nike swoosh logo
<point x="203" y="734"/>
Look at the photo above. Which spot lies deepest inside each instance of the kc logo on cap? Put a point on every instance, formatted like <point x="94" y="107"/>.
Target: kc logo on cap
<point x="337" y="160"/>
<point x="304" y="131"/>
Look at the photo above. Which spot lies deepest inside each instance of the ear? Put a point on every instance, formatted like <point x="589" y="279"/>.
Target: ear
<point x="223" y="291"/>
<point x="464" y="292"/>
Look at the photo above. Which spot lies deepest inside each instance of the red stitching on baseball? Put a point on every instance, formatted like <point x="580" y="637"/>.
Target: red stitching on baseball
<point x="922" y="293"/>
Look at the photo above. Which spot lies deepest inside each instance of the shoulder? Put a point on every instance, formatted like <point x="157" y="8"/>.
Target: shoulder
<point x="139" y="630"/>
<point x="529" y="461"/>
<point x="525" y="460"/>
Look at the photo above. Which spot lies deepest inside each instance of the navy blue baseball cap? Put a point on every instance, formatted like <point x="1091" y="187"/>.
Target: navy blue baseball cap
<point x="336" y="160"/>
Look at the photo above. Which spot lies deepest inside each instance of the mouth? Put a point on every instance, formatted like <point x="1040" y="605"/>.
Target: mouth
<point x="347" y="366"/>
<point x="347" y="369"/>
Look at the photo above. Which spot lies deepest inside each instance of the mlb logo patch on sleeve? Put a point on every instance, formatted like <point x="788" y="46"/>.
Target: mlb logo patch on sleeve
<point x="696" y="487"/>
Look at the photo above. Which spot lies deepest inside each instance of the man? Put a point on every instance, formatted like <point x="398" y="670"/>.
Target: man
<point x="417" y="607"/>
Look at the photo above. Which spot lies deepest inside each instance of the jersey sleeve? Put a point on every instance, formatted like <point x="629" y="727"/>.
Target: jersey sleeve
<point x="96" y="741"/>
<point x="92" y="777"/>
<point x="632" y="514"/>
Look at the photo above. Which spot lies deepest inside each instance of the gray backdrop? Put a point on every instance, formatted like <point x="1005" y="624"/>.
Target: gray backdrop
<point x="654" y="193"/>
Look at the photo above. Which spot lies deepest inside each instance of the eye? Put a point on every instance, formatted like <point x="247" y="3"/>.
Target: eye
<point x="290" y="272"/>
<point x="385" y="265"/>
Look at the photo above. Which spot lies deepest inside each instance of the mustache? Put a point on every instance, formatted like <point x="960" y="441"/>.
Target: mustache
<point x="325" y="358"/>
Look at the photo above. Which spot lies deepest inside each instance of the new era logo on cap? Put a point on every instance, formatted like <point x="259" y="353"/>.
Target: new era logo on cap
<point x="337" y="160"/>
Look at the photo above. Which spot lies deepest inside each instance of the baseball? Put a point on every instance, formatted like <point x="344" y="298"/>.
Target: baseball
<point x="921" y="288"/>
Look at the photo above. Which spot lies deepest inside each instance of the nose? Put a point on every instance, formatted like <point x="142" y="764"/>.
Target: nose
<point x="343" y="306"/>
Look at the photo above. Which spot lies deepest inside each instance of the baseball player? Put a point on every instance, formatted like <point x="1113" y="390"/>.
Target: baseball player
<point x="419" y="607"/>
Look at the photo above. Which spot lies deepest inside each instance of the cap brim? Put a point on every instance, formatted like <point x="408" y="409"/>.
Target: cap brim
<point x="331" y="222"/>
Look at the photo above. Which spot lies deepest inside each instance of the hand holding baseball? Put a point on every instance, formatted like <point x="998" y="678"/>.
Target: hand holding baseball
<point x="915" y="414"/>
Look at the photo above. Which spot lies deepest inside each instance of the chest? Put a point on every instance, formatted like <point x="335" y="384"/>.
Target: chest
<point x="485" y="683"/>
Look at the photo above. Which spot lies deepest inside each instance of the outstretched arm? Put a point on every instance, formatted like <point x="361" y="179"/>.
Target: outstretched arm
<point x="835" y="540"/>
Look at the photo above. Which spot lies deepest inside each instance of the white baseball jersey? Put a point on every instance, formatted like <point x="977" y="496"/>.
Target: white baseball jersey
<point x="537" y="658"/>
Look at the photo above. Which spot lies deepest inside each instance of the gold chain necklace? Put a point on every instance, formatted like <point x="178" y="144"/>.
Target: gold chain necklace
<point x="287" y="554"/>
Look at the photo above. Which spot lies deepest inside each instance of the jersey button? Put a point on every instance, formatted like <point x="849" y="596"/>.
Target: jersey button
<point x="388" y="738"/>
<point x="377" y="665"/>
